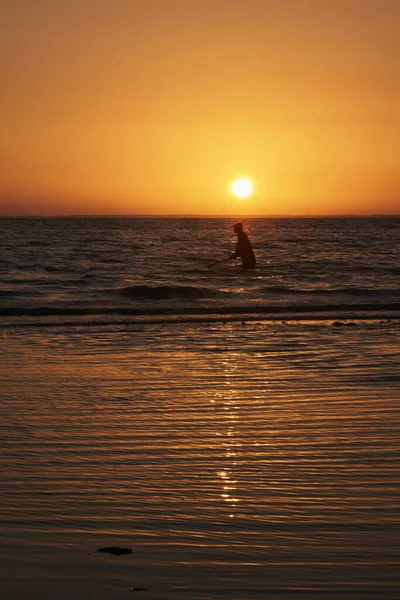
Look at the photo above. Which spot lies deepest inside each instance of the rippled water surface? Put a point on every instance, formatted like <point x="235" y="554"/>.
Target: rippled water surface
<point x="124" y="269"/>
<point x="238" y="460"/>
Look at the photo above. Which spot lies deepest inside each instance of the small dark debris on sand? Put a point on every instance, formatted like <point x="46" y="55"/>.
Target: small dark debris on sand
<point x="116" y="550"/>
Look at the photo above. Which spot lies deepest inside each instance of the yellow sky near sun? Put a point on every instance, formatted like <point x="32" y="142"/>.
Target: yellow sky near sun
<point x="119" y="107"/>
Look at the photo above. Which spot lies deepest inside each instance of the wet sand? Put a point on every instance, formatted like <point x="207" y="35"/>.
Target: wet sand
<point x="238" y="461"/>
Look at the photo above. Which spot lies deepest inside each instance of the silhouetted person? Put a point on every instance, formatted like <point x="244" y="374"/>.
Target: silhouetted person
<point x="243" y="248"/>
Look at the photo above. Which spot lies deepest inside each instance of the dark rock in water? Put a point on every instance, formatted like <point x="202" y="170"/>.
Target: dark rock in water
<point x="351" y="324"/>
<point x="116" y="550"/>
<point x="139" y="590"/>
<point x="338" y="324"/>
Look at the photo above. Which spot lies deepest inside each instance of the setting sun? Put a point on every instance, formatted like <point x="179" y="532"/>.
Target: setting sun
<point x="242" y="188"/>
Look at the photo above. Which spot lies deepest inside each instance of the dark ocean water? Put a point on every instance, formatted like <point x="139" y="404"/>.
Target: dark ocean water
<point x="130" y="268"/>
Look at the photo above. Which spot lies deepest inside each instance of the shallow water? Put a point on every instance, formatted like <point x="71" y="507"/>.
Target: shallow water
<point x="122" y="269"/>
<point x="242" y="461"/>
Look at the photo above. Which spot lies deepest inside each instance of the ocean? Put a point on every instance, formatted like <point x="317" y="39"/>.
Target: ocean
<point x="238" y="430"/>
<point x="122" y="270"/>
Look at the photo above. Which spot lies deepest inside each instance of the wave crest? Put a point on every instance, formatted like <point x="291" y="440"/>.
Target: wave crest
<point x="349" y="291"/>
<point x="163" y="292"/>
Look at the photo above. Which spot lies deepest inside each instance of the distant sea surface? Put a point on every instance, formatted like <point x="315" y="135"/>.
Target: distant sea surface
<point x="238" y="430"/>
<point x="130" y="268"/>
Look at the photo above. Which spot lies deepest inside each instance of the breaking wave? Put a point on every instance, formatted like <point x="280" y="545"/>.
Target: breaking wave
<point x="345" y="291"/>
<point x="163" y="292"/>
<point x="368" y="310"/>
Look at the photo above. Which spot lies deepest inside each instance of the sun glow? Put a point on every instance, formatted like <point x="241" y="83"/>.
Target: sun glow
<point x="242" y="188"/>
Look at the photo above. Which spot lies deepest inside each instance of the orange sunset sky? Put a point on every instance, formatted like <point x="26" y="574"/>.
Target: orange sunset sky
<point x="156" y="106"/>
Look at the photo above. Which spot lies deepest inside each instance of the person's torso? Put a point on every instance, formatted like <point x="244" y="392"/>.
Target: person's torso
<point x="244" y="248"/>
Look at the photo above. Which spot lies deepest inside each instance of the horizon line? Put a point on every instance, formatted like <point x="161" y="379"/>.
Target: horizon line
<point x="200" y="216"/>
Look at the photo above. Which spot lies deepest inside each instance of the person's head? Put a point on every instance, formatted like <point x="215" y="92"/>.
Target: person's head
<point x="238" y="227"/>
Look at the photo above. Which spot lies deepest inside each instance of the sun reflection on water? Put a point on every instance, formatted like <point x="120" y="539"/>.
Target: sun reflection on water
<point x="230" y="436"/>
